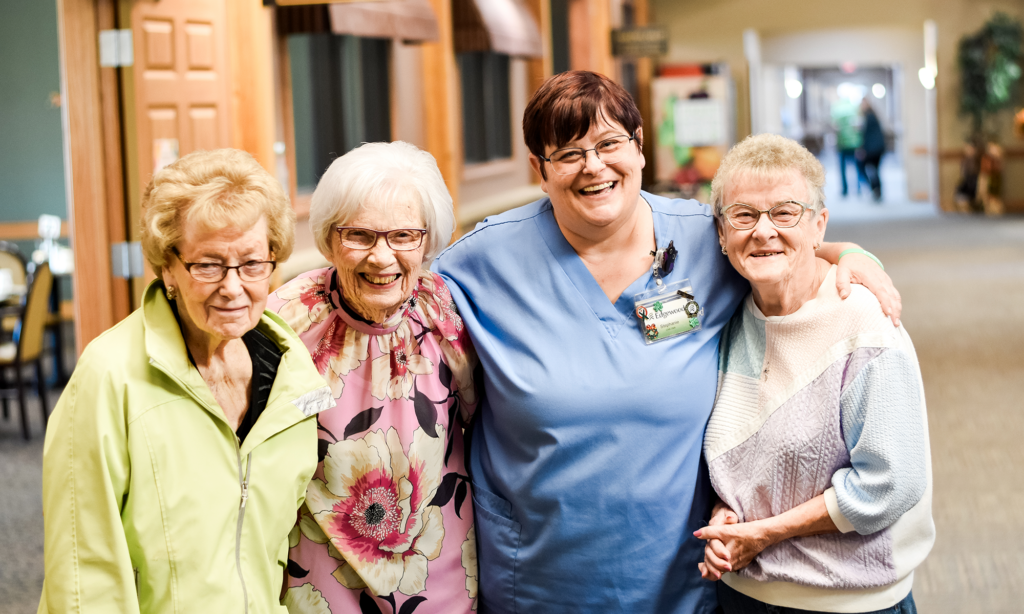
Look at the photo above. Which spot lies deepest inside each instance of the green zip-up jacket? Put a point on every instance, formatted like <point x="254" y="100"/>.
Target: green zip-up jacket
<point x="150" y="504"/>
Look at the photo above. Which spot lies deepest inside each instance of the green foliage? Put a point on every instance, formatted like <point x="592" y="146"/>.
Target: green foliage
<point x="990" y="69"/>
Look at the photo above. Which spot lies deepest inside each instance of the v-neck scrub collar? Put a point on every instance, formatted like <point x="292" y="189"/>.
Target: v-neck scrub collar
<point x="612" y="315"/>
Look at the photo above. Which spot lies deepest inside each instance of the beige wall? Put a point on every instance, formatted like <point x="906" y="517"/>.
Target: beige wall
<point x="702" y="31"/>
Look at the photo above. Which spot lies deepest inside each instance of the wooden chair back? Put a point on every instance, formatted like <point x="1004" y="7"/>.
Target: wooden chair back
<point x="33" y="323"/>
<point x="11" y="259"/>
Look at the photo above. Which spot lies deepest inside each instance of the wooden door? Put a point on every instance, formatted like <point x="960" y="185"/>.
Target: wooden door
<point x="177" y="96"/>
<point x="180" y="80"/>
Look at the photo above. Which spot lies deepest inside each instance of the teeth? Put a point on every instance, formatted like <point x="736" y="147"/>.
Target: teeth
<point x="598" y="187"/>
<point x="373" y="279"/>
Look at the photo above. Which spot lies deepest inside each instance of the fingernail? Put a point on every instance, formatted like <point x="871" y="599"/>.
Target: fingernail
<point x="696" y="533"/>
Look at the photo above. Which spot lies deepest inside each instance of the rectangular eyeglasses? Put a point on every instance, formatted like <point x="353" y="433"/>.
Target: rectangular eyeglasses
<point x="399" y="239"/>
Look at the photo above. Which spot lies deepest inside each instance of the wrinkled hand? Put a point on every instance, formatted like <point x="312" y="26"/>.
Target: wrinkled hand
<point x="741" y="543"/>
<point x="859" y="269"/>
<point x="715" y="552"/>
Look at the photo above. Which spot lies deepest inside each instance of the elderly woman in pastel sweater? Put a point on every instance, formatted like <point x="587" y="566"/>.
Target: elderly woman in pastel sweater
<point x="818" y="442"/>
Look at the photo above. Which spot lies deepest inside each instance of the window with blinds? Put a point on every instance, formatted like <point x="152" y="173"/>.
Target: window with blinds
<point x="340" y="98"/>
<point x="486" y="108"/>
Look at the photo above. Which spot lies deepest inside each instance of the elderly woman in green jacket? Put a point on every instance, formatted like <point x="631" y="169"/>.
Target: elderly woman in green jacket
<point x="180" y="450"/>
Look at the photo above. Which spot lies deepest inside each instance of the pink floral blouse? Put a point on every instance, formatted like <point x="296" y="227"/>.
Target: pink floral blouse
<point x="388" y="520"/>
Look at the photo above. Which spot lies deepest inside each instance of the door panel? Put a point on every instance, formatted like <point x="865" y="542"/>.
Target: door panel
<point x="181" y="85"/>
<point x="177" y="93"/>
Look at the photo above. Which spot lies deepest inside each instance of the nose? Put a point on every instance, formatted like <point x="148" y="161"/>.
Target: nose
<point x="231" y="286"/>
<point x="381" y="255"/>
<point x="592" y="164"/>
<point x="764" y="229"/>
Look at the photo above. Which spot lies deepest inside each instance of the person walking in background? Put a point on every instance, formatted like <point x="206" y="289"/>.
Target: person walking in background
<point x="872" y="148"/>
<point x="844" y="118"/>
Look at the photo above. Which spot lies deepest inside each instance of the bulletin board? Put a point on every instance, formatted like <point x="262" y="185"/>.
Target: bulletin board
<point x="694" y="128"/>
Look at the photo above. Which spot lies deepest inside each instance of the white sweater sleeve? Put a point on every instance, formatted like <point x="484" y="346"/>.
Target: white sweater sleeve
<point x="885" y="435"/>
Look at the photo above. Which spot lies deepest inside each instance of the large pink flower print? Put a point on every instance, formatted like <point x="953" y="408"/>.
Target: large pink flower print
<point x="307" y="302"/>
<point x="392" y="372"/>
<point x="374" y="509"/>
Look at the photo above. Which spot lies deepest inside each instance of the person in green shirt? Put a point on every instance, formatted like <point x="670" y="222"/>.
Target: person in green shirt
<point x="848" y="138"/>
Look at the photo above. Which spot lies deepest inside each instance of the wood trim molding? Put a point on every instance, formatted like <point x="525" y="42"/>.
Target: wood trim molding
<point x="953" y="154"/>
<point x="644" y="79"/>
<point x="25" y="231"/>
<point x="116" y="211"/>
<point x="590" y="46"/>
<point x="486" y="170"/>
<point x="251" y="58"/>
<point x="441" y="101"/>
<point x="84" y="158"/>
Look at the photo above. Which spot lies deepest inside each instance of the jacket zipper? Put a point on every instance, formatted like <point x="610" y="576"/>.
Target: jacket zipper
<point x="244" y="482"/>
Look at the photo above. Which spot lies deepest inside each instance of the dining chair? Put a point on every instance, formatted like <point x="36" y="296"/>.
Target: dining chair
<point x="28" y="348"/>
<point x="14" y="261"/>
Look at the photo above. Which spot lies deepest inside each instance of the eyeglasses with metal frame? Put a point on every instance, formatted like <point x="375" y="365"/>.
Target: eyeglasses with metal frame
<point x="785" y="214"/>
<point x="571" y="160"/>
<point x="398" y="239"/>
<point x="211" y="272"/>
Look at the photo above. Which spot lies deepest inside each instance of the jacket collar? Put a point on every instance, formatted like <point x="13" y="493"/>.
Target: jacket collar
<point x="298" y="391"/>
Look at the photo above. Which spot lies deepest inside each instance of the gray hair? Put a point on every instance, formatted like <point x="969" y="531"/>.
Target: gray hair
<point x="381" y="173"/>
<point x="766" y="156"/>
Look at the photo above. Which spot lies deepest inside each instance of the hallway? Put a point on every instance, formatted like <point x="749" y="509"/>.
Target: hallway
<point x="962" y="281"/>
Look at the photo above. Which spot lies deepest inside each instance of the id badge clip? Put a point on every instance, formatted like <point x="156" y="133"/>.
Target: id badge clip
<point x="668" y="311"/>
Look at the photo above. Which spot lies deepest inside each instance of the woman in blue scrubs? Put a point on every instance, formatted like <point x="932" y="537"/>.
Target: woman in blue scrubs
<point x="586" y="454"/>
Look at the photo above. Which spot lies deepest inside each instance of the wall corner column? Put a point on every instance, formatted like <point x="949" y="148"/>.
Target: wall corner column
<point x="82" y="123"/>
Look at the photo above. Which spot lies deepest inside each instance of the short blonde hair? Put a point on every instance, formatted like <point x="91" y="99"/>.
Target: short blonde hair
<point x="382" y="173"/>
<point x="766" y="156"/>
<point x="223" y="188"/>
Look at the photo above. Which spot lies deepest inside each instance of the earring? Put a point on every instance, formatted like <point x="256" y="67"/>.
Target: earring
<point x="724" y="251"/>
<point x="817" y="246"/>
<point x="172" y="293"/>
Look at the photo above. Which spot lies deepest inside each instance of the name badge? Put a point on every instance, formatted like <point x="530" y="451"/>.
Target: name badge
<point x="668" y="311"/>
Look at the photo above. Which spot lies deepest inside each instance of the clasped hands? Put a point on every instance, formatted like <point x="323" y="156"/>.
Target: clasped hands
<point x="730" y="544"/>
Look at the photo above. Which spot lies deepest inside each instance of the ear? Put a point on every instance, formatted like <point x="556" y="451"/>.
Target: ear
<point x="821" y="221"/>
<point x="536" y="162"/>
<point x="640" y="145"/>
<point x="167" y="276"/>
<point x="721" y="232"/>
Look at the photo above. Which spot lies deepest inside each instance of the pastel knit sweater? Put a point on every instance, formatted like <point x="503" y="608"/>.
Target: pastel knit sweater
<point x="827" y="400"/>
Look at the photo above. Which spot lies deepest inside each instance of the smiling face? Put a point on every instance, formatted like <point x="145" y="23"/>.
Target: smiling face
<point x="765" y="255"/>
<point x="600" y="195"/>
<point x="229" y="308"/>
<point x="375" y="282"/>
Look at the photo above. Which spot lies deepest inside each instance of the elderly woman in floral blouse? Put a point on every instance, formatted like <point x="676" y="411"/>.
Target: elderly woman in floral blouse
<point x="388" y="515"/>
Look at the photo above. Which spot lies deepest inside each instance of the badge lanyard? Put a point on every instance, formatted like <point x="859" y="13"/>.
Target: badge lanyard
<point x="670" y="309"/>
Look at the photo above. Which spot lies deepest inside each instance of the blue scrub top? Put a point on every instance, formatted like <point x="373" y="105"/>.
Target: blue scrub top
<point x="586" y="453"/>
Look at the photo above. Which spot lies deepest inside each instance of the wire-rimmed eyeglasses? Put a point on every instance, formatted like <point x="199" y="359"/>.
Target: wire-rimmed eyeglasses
<point x="571" y="160"/>
<point x="786" y="214"/>
<point x="398" y="239"/>
<point x="211" y="272"/>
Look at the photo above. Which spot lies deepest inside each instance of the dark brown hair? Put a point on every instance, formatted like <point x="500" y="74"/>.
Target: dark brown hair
<point x="565" y="106"/>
